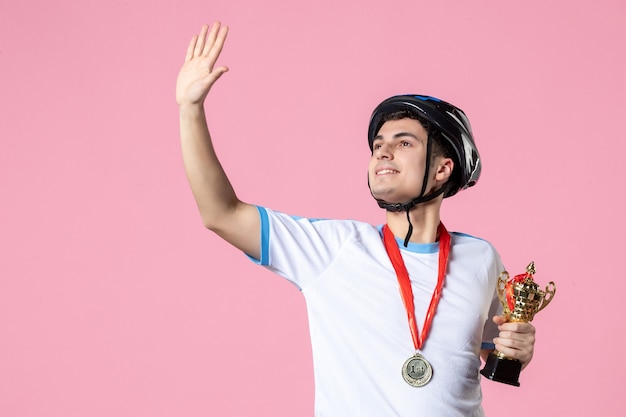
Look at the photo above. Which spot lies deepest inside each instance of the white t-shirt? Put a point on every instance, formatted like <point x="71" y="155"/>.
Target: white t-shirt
<point x="358" y="324"/>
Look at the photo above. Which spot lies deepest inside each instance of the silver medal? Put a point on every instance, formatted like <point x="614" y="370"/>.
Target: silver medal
<point x="417" y="371"/>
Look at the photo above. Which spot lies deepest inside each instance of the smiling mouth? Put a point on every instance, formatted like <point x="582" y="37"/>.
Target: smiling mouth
<point x="386" y="171"/>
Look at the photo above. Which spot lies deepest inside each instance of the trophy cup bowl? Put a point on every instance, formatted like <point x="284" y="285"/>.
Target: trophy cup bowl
<point x="521" y="299"/>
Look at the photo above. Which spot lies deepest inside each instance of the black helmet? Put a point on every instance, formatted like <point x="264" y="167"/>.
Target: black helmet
<point x="447" y="119"/>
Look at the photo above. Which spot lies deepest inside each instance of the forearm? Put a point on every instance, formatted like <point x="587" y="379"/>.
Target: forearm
<point x="484" y="354"/>
<point x="211" y="188"/>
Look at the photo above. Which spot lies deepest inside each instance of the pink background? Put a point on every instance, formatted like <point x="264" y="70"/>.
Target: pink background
<point x="114" y="301"/>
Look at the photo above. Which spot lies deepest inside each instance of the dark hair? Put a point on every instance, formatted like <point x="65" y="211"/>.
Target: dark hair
<point x="439" y="145"/>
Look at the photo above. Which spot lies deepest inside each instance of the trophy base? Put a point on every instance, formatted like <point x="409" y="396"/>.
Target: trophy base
<point x="499" y="368"/>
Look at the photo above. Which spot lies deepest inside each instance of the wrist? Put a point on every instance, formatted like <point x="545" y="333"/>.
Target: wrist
<point x="191" y="109"/>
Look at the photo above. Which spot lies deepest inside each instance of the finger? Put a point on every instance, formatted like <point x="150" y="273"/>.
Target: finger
<point x="507" y="346"/>
<point x="522" y="354"/>
<point x="211" y="38"/>
<point x="514" y="348"/>
<point x="525" y="334"/>
<point x="201" y="41"/>
<point x="511" y="338"/>
<point x="191" y="47"/>
<point x="510" y="343"/>
<point x="515" y="340"/>
<point x="218" y="72"/>
<point x="216" y="50"/>
<point x="517" y="327"/>
<point x="499" y="320"/>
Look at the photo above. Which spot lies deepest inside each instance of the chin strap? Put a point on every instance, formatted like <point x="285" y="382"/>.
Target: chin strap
<point x="407" y="207"/>
<point x="395" y="207"/>
<point x="410" y="231"/>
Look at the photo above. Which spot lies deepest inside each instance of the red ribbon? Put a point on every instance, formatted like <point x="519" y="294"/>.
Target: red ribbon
<point x="510" y="297"/>
<point x="405" y="282"/>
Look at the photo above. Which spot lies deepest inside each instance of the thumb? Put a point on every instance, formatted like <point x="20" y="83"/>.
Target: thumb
<point x="217" y="73"/>
<point x="499" y="320"/>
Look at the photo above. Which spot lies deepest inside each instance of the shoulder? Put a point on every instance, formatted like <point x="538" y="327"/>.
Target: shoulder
<point x="464" y="239"/>
<point x="475" y="249"/>
<point x="332" y="227"/>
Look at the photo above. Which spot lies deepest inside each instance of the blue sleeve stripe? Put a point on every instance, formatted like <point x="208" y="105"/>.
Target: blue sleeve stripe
<point x="265" y="238"/>
<point x="488" y="346"/>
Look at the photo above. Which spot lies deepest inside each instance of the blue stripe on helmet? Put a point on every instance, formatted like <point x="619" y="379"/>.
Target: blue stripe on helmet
<point x="427" y="98"/>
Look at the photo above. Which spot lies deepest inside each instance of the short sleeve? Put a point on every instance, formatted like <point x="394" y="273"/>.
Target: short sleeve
<point x="299" y="248"/>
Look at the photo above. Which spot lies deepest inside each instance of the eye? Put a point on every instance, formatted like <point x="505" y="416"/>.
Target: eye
<point x="376" y="146"/>
<point x="405" y="143"/>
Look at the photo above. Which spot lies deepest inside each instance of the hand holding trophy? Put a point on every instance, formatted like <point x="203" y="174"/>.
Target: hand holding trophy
<point x="521" y="299"/>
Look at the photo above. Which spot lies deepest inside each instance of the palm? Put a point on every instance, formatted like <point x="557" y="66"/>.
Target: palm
<point x="198" y="73"/>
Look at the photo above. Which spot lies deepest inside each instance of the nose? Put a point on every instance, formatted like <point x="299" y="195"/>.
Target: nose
<point x="383" y="151"/>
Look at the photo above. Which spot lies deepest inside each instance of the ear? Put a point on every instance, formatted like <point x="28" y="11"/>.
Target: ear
<point x="444" y="166"/>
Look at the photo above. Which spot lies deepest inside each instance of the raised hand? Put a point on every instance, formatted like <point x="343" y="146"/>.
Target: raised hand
<point x="198" y="73"/>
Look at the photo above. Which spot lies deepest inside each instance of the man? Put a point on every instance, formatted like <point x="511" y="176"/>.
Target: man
<point x="377" y="351"/>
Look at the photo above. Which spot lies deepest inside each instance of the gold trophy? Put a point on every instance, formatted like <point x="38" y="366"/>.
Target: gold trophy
<point x="521" y="299"/>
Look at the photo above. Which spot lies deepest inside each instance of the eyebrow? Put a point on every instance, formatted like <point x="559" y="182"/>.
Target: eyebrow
<point x="398" y="136"/>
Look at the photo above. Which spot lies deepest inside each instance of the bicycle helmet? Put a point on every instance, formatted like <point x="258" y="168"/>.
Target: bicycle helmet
<point x="453" y="126"/>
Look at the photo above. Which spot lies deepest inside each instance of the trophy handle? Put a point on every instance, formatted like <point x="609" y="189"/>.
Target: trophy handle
<point x="549" y="295"/>
<point x="500" y="289"/>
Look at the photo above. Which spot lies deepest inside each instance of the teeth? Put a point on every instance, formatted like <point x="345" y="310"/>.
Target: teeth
<point x="387" y="171"/>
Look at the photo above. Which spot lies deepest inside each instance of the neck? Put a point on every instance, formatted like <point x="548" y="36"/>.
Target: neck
<point x="424" y="218"/>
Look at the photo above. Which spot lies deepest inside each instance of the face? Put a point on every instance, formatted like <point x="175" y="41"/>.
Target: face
<point x="398" y="162"/>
